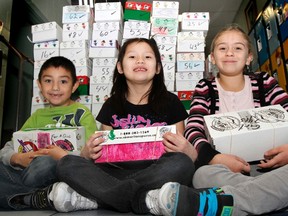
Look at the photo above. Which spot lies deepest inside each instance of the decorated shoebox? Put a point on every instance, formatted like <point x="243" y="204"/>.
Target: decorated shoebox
<point x="76" y="14"/>
<point x="103" y="48"/>
<point x="168" y="67"/>
<point x="38" y="101"/>
<point x="164" y="26"/>
<point x="83" y="66"/>
<point x="134" y="29"/>
<point x="187" y="80"/>
<point x="83" y="88"/>
<point x="85" y="100"/>
<point x="37" y="67"/>
<point x="109" y="11"/>
<point x="134" y="144"/>
<point x="108" y="25"/>
<point x="109" y="30"/>
<point x="137" y="11"/>
<point x="70" y="139"/>
<point x="108" y="62"/>
<point x="195" y="21"/>
<point x="192" y="41"/>
<point x="169" y="58"/>
<point x="46" y="32"/>
<point x="187" y="66"/>
<point x="197" y="56"/>
<point x="170" y="85"/>
<point x="185" y="97"/>
<point x="163" y="39"/>
<point x="248" y="133"/>
<point x="45" y="50"/>
<point x="169" y="76"/>
<point x="165" y="9"/>
<point x="77" y="49"/>
<point x="100" y="92"/>
<point x="166" y="44"/>
<point x="77" y="31"/>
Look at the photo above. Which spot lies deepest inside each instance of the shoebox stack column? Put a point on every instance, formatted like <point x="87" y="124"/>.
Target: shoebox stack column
<point x="191" y="53"/>
<point x="164" y="28"/>
<point x="77" y="30"/>
<point x="137" y="20"/>
<point x="104" y="49"/>
<point x="46" y="38"/>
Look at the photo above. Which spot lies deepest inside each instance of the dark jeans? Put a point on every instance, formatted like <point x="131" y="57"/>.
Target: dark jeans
<point x="40" y="173"/>
<point x="124" y="189"/>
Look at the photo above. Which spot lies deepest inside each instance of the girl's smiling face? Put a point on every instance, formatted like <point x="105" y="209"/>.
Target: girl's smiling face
<point x="231" y="53"/>
<point x="139" y="63"/>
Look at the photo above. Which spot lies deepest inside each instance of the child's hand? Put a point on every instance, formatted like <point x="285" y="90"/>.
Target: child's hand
<point x="177" y="143"/>
<point x="234" y="163"/>
<point x="92" y="149"/>
<point x="55" y="152"/>
<point x="24" y="159"/>
<point x="275" y="157"/>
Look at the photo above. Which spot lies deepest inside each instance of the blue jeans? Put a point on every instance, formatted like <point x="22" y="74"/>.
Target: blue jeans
<point x="124" y="189"/>
<point x="39" y="174"/>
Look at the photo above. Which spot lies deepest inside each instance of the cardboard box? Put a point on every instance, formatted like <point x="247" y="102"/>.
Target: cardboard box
<point x="190" y="66"/>
<point x="100" y="92"/>
<point x="195" y="21"/>
<point x="104" y="62"/>
<point x="76" y="31"/>
<point x="83" y="66"/>
<point x="38" y="101"/>
<point x="74" y="49"/>
<point x="110" y="11"/>
<point x="187" y="81"/>
<point x="165" y="9"/>
<point x="46" y="32"/>
<point x="85" y="100"/>
<point x="46" y="50"/>
<point x="164" y="26"/>
<point x="104" y="48"/>
<point x="127" y="144"/>
<point x="70" y="139"/>
<point x="134" y="29"/>
<point x="76" y="14"/>
<point x="248" y="133"/>
<point x="193" y="41"/>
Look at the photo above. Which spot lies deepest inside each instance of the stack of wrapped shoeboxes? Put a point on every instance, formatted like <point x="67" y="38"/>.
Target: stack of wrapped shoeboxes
<point x="92" y="38"/>
<point x="77" y="30"/>
<point x="137" y="20"/>
<point x="191" y="53"/>
<point x="46" y="38"/>
<point x="164" y="29"/>
<point x="104" y="48"/>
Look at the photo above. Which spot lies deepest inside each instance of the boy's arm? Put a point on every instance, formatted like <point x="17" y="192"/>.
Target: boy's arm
<point x="6" y="154"/>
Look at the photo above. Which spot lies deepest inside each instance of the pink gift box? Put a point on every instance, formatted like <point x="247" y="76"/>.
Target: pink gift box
<point x="127" y="144"/>
<point x="132" y="152"/>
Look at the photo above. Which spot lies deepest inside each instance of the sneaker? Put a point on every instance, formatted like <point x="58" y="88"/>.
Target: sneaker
<point x="65" y="199"/>
<point x="40" y="200"/>
<point x="175" y="199"/>
<point x="152" y="202"/>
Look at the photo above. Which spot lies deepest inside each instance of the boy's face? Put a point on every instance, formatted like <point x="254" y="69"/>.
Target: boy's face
<point x="56" y="86"/>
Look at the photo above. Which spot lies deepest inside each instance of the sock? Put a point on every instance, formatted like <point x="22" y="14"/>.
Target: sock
<point x="204" y="202"/>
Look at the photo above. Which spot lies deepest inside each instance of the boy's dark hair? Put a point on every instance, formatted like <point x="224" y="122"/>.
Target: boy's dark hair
<point x="157" y="94"/>
<point x="59" y="61"/>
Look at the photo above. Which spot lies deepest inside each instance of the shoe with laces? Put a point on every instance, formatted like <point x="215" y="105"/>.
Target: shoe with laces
<point x="152" y="202"/>
<point x="40" y="199"/>
<point x="175" y="199"/>
<point x="65" y="199"/>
